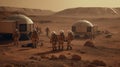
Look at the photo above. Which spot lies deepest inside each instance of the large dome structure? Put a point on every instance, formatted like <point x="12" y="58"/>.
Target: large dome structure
<point x="17" y="21"/>
<point x="21" y="18"/>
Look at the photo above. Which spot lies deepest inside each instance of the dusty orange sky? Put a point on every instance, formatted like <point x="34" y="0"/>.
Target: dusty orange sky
<point x="57" y="5"/>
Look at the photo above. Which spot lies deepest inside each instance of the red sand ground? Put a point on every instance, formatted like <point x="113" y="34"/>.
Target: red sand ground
<point x="107" y="49"/>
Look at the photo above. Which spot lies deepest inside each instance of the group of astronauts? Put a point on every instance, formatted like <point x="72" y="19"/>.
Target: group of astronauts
<point x="57" y="40"/>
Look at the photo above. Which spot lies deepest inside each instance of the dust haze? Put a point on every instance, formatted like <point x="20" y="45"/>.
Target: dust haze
<point x="102" y="51"/>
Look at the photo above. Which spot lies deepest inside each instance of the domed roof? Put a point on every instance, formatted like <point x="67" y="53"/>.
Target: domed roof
<point x="19" y="17"/>
<point x="83" y="23"/>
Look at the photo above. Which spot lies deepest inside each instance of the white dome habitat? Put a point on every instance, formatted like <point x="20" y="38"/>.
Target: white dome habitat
<point x="82" y="28"/>
<point x="21" y="18"/>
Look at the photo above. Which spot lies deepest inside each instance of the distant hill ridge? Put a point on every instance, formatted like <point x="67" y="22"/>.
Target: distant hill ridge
<point x="84" y="12"/>
<point x="89" y="11"/>
<point x="27" y="11"/>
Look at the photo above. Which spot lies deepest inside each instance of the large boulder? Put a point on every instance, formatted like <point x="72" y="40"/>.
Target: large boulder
<point x="89" y="44"/>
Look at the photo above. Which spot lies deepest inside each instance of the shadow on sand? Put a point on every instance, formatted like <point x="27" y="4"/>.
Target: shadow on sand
<point x="47" y="52"/>
<point x="5" y="42"/>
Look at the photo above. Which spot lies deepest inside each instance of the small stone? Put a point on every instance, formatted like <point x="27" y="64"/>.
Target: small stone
<point x="98" y="63"/>
<point x="53" y="57"/>
<point x="89" y="44"/>
<point x="76" y="57"/>
<point x="62" y="57"/>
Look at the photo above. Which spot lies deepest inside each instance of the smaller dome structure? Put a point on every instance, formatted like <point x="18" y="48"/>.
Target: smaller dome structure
<point x="83" y="28"/>
<point x="83" y="23"/>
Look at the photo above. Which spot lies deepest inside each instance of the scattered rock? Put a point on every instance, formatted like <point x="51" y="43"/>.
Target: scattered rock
<point x="4" y="53"/>
<point x="82" y="52"/>
<point x="34" y="58"/>
<point x="8" y="65"/>
<point x="44" y="57"/>
<point x="98" y="63"/>
<point x="41" y="44"/>
<point x="91" y="65"/>
<point x="62" y="57"/>
<point x="32" y="61"/>
<point x="108" y="36"/>
<point x="118" y="64"/>
<point x="31" y="57"/>
<point x="69" y="53"/>
<point x="28" y="45"/>
<point x="89" y="44"/>
<point x="86" y="63"/>
<point x="53" y="57"/>
<point x="76" y="57"/>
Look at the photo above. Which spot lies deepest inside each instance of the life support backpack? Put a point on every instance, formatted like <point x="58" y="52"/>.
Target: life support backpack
<point x="54" y="38"/>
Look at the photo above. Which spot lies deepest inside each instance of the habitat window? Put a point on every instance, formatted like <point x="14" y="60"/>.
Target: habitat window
<point x="89" y="29"/>
<point x="23" y="27"/>
<point x="73" y="28"/>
